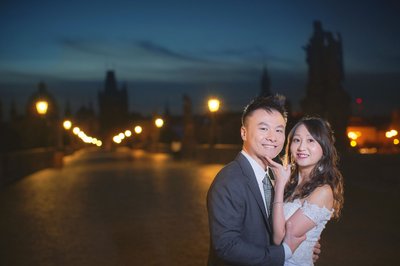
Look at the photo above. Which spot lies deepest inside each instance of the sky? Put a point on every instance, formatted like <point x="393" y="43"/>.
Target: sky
<point x="163" y="49"/>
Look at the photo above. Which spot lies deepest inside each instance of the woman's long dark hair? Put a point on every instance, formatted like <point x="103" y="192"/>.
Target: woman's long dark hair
<point x="325" y="172"/>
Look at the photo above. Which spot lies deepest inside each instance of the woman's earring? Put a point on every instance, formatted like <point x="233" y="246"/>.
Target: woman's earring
<point x="320" y="168"/>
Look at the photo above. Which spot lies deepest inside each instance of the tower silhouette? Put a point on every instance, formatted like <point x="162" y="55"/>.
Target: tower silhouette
<point x="325" y="95"/>
<point x="113" y="107"/>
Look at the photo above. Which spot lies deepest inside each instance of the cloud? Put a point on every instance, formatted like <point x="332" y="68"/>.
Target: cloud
<point x="162" y="51"/>
<point x="84" y="46"/>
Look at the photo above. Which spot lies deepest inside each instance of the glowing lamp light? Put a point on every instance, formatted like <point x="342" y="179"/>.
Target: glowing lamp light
<point x="138" y="129"/>
<point x="67" y="124"/>
<point x="391" y="133"/>
<point x="82" y="135"/>
<point x="128" y="133"/>
<point x="396" y="141"/>
<point x="368" y="150"/>
<point x="76" y="130"/>
<point x="353" y="143"/>
<point x="353" y="135"/>
<point x="116" y="139"/>
<point x="41" y="107"/>
<point x="159" y="122"/>
<point x="213" y="105"/>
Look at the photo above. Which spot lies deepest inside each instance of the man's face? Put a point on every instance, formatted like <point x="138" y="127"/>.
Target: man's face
<point x="263" y="134"/>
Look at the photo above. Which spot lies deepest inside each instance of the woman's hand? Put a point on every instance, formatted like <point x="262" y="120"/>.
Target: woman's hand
<point x="281" y="172"/>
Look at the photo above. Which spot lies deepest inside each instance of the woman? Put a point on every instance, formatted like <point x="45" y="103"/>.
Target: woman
<point x="309" y="192"/>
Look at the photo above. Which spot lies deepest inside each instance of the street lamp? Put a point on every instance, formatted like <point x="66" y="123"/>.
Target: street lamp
<point x="138" y="129"/>
<point x="159" y="122"/>
<point x="213" y="106"/>
<point x="67" y="124"/>
<point x="41" y="107"/>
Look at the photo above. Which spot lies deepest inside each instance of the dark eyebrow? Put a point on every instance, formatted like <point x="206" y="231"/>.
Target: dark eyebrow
<point x="281" y="126"/>
<point x="262" y="123"/>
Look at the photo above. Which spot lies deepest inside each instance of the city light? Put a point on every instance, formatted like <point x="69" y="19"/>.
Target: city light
<point x="159" y="122"/>
<point x="396" y="141"/>
<point x="117" y="139"/>
<point x="41" y="107"/>
<point x="353" y="143"/>
<point x="82" y="135"/>
<point x="368" y="150"/>
<point x="76" y="130"/>
<point x="391" y="133"/>
<point x="128" y="133"/>
<point x="67" y="124"/>
<point x="354" y="135"/>
<point x="213" y="105"/>
<point x="138" y="129"/>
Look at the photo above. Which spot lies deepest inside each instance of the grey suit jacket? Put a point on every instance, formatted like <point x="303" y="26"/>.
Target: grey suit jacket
<point x="240" y="233"/>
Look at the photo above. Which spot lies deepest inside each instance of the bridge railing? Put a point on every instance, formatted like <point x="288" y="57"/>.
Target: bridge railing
<point x="15" y="165"/>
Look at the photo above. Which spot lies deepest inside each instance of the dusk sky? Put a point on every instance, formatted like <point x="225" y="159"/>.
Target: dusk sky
<point x="162" y="49"/>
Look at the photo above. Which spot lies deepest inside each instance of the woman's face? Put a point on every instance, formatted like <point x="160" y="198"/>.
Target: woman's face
<point x="305" y="150"/>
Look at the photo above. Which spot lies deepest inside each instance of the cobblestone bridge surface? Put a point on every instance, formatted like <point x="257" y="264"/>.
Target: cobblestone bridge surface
<point x="133" y="208"/>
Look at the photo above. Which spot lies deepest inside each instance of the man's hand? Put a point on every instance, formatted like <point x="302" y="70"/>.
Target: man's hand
<point x="290" y="239"/>
<point x="316" y="251"/>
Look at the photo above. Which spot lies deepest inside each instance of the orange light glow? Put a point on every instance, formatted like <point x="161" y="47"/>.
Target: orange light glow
<point x="353" y="143"/>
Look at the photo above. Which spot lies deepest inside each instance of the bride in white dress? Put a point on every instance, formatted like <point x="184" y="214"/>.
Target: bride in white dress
<point x="310" y="192"/>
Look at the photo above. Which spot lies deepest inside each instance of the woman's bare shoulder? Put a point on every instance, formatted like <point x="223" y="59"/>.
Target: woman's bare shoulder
<point x="322" y="196"/>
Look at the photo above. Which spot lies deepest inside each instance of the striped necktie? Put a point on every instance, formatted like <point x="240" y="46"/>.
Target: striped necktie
<point x="268" y="193"/>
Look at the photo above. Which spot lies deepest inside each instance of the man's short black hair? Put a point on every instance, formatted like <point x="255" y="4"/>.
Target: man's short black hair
<point x="275" y="102"/>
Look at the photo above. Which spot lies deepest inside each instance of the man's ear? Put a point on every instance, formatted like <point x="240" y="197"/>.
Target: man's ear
<point x="243" y="133"/>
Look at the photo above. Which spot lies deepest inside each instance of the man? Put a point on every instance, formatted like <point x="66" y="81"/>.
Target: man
<point x="240" y="230"/>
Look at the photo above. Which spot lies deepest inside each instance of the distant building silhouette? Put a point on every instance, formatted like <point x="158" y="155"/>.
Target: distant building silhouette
<point x="113" y="108"/>
<point x="188" y="139"/>
<point x="86" y="118"/>
<point x="265" y="84"/>
<point x="67" y="110"/>
<point x="325" y="95"/>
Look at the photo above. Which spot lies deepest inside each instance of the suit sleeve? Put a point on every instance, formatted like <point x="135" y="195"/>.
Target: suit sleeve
<point x="226" y="208"/>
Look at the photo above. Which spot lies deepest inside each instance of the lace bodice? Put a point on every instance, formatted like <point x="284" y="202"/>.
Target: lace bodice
<point x="320" y="216"/>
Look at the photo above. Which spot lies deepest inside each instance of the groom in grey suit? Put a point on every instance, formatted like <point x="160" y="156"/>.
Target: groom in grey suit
<point x="240" y="229"/>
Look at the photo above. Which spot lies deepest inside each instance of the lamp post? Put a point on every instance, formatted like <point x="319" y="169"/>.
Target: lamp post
<point x="42" y="136"/>
<point x="213" y="106"/>
<point x="159" y="122"/>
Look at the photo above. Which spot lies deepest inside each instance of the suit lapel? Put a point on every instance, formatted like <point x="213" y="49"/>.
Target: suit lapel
<point x="252" y="183"/>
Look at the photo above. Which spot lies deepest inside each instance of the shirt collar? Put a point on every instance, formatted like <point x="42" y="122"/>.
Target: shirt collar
<point x="258" y="170"/>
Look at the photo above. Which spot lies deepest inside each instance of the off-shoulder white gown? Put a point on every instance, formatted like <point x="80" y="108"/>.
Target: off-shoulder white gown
<point x="320" y="216"/>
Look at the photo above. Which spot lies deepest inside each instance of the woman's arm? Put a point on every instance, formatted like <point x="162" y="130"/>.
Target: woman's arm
<point x="322" y="197"/>
<point x="278" y="218"/>
<point x="281" y="174"/>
